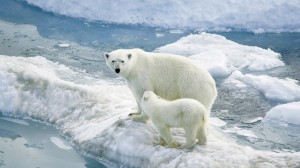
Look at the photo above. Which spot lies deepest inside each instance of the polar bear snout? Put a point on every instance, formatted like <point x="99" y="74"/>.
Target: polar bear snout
<point x="117" y="70"/>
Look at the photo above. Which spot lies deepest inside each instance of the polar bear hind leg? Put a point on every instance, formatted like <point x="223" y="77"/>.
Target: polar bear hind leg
<point x="202" y="135"/>
<point x="190" y="133"/>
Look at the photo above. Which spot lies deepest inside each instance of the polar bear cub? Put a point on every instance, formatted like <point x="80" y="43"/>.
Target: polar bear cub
<point x="185" y="113"/>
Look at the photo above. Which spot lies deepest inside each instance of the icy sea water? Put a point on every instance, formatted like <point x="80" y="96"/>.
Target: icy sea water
<point x="88" y="41"/>
<point x="25" y="143"/>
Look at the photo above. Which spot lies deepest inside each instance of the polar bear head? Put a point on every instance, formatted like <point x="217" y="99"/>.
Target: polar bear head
<point x="121" y="61"/>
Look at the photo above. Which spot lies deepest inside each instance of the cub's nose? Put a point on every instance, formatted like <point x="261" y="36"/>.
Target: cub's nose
<point x="117" y="70"/>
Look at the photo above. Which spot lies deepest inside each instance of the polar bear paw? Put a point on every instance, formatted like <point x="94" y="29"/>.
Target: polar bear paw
<point x="139" y="117"/>
<point x="134" y="113"/>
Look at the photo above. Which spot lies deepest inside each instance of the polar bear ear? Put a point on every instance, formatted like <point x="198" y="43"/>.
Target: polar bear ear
<point x="145" y="98"/>
<point x="106" y="55"/>
<point x="129" y="56"/>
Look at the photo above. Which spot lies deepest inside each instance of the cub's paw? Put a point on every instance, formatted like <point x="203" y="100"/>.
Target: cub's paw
<point x="139" y="119"/>
<point x="161" y="142"/>
<point x="172" y="145"/>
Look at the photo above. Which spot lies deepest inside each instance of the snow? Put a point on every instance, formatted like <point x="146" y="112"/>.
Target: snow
<point x="273" y="88"/>
<point x="216" y="122"/>
<point x="257" y="15"/>
<point x="94" y="117"/>
<point x="220" y="56"/>
<point x="287" y="113"/>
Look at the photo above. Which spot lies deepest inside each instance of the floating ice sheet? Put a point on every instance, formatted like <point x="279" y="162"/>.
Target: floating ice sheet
<point x="221" y="56"/>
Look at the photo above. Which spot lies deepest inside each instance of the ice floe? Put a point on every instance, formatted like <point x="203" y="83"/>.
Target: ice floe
<point x="221" y="56"/>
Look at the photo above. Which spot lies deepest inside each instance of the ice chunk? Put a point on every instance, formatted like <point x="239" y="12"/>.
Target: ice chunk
<point x="64" y="45"/>
<point x="283" y="90"/>
<point x="217" y="122"/>
<point x="254" y="120"/>
<point x="289" y="113"/>
<point x="60" y="143"/>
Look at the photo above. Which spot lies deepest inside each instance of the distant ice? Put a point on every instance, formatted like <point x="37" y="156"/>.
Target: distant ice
<point x="255" y="15"/>
<point x="283" y="90"/>
<point x="288" y="113"/>
<point x="18" y="121"/>
<point x="221" y="56"/>
<point x="176" y="31"/>
<point x="159" y="35"/>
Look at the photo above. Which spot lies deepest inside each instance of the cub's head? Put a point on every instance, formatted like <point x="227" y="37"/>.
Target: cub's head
<point x="149" y="95"/>
<point x="120" y="61"/>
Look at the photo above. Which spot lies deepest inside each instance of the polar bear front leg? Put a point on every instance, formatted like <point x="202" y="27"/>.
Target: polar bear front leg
<point x="138" y="112"/>
<point x="139" y="116"/>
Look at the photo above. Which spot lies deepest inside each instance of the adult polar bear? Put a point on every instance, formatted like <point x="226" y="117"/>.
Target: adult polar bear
<point x="169" y="76"/>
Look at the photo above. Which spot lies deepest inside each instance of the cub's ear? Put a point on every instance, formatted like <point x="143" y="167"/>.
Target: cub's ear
<point x="106" y="55"/>
<point x="145" y="98"/>
<point x="129" y="56"/>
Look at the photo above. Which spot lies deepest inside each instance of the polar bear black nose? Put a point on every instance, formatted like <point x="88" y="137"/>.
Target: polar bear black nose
<point x="117" y="70"/>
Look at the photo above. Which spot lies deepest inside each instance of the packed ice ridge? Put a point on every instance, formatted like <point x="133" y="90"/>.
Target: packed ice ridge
<point x="257" y="15"/>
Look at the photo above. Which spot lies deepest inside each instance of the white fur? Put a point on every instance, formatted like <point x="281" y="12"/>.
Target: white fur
<point x="184" y="113"/>
<point x="169" y="76"/>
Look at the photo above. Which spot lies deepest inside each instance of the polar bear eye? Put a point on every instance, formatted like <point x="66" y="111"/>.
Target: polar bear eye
<point x="113" y="61"/>
<point x="122" y="61"/>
